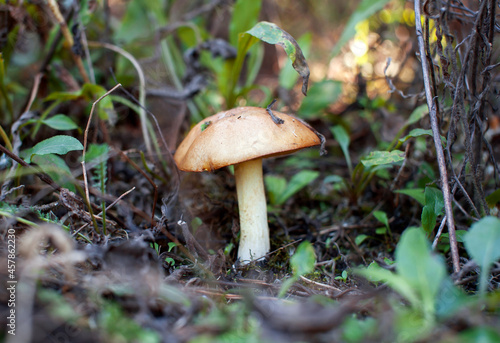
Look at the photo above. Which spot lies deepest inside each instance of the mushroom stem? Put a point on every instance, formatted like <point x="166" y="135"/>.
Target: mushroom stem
<point x="254" y="231"/>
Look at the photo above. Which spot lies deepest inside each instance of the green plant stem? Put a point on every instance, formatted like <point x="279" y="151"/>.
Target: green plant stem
<point x="3" y="89"/>
<point x="5" y="138"/>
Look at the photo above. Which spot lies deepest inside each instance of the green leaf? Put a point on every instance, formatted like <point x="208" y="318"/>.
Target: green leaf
<point x="365" y="9"/>
<point x="425" y="272"/>
<point x="59" y="145"/>
<point x="419" y="275"/>
<point x="418" y="133"/>
<point x="360" y="239"/>
<point x="341" y="136"/>
<point x="302" y="262"/>
<point x="377" y="158"/>
<point x="434" y="204"/>
<point x="375" y="273"/>
<point x="321" y="95"/>
<point x="275" y="186"/>
<point x="415" y="193"/>
<point x="297" y="182"/>
<point x="482" y="242"/>
<point x="60" y="122"/>
<point x="56" y="168"/>
<point x="288" y="76"/>
<point x="417" y="114"/>
<point x="272" y="34"/>
<point x="97" y="153"/>
<point x="304" y="259"/>
<point x="245" y="15"/>
<point x="381" y="217"/>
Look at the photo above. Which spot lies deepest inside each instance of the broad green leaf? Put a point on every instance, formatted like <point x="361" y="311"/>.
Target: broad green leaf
<point x="418" y="133"/>
<point x="275" y="186"/>
<point x="272" y="34"/>
<point x="417" y="114"/>
<point x="288" y="76"/>
<point x="321" y="95"/>
<point x="434" y="204"/>
<point x="304" y="259"/>
<point x="450" y="299"/>
<point x="341" y="136"/>
<point x="422" y="270"/>
<point x="428" y="219"/>
<point x="55" y="167"/>
<point x="377" y="158"/>
<point x="375" y="273"/>
<point x="360" y="239"/>
<point x="416" y="193"/>
<point x="98" y="152"/>
<point x="60" y="122"/>
<point x="365" y="9"/>
<point x="482" y="243"/>
<point x="245" y="16"/>
<point x="59" y="145"/>
<point x="297" y="182"/>
<point x="381" y="216"/>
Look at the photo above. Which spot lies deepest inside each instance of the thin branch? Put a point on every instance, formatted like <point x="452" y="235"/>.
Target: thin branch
<point x="85" y="140"/>
<point x="437" y="141"/>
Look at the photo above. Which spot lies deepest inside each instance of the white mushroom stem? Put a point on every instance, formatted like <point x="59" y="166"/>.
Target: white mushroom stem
<point x="254" y="230"/>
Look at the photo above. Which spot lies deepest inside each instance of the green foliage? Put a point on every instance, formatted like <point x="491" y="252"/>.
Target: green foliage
<point x="342" y="277"/>
<point x="97" y="157"/>
<point x="434" y="204"/>
<point x="302" y="262"/>
<point x="493" y="198"/>
<point x="60" y="122"/>
<point x="56" y="168"/>
<point x="89" y="93"/>
<point x="269" y="33"/>
<point x="3" y="87"/>
<point x="355" y="330"/>
<point x="416" y="193"/>
<point x="59" y="145"/>
<point x="419" y="274"/>
<point x="288" y="76"/>
<point x="280" y="191"/>
<point x="342" y="137"/>
<point x="117" y="327"/>
<point x="482" y="242"/>
<point x="380" y="158"/>
<point x="244" y="17"/>
<point x="321" y="95"/>
<point x="365" y="9"/>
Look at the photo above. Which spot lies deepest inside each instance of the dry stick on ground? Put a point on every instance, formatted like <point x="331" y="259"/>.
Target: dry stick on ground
<point x="437" y="141"/>
<point x="85" y="136"/>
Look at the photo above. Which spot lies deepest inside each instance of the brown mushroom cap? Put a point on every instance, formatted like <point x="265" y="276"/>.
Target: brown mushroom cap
<point x="238" y="135"/>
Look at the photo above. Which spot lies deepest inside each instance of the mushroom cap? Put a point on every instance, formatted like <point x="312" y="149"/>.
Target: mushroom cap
<point x="241" y="134"/>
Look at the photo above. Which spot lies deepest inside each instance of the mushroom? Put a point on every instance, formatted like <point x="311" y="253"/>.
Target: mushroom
<point x="242" y="137"/>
